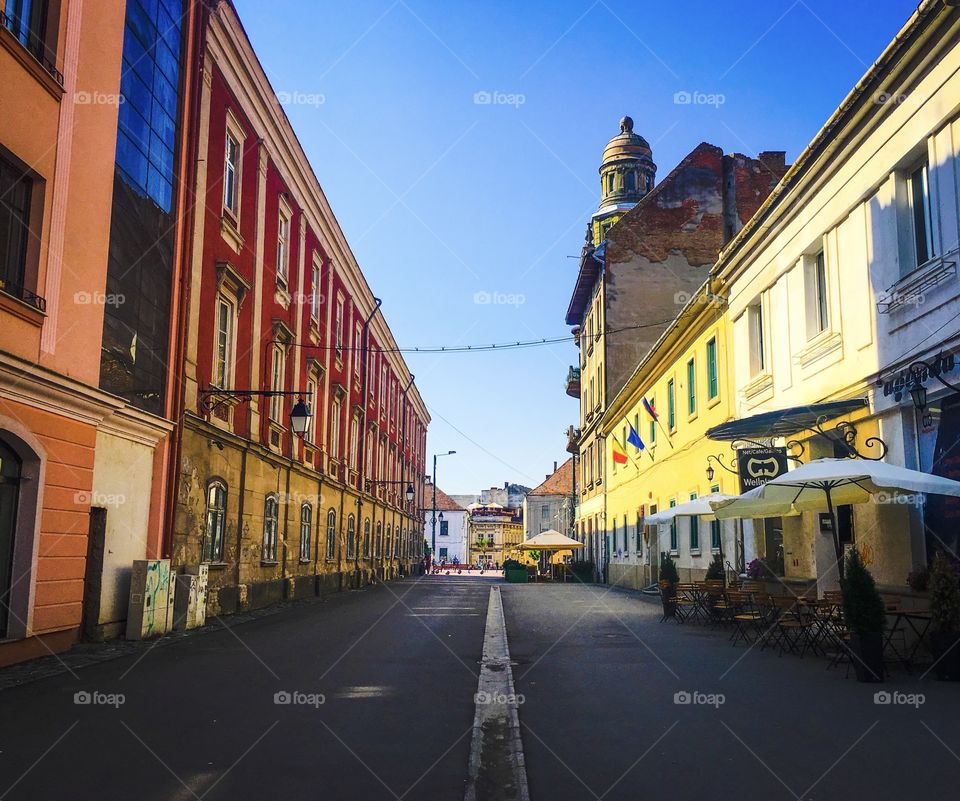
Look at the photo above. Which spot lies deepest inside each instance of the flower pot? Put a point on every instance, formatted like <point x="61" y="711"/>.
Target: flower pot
<point x="867" y="656"/>
<point x="946" y="655"/>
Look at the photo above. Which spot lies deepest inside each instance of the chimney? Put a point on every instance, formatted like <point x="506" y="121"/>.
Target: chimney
<point x="554" y="465"/>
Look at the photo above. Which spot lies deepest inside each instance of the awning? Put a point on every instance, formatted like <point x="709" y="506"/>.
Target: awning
<point x="785" y="422"/>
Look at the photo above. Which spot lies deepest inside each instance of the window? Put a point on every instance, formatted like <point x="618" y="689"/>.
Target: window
<point x="383" y="388"/>
<point x="653" y="423"/>
<point x="631" y="181"/>
<point x="610" y="182"/>
<point x="715" y="526"/>
<point x="357" y="348"/>
<point x="444" y="528"/>
<point x="283" y="245"/>
<point x="694" y="528"/>
<point x="389" y="551"/>
<point x="758" y="359"/>
<point x="216" y="522"/>
<point x="276" y="384"/>
<point x="355" y="443"/>
<point x="310" y="435"/>
<point x="223" y="348"/>
<point x="544" y="512"/>
<point x="820" y="292"/>
<point x="366" y="539"/>
<point x="16" y="190"/>
<point x="671" y="405"/>
<point x="443" y="552"/>
<point x="918" y="198"/>
<point x="351" y="537"/>
<point x="149" y="83"/>
<point x="27" y="20"/>
<point x="673" y="530"/>
<point x="315" y="292"/>
<point x="713" y="377"/>
<point x="331" y="534"/>
<point x="691" y="387"/>
<point x="231" y="175"/>
<point x="306" y="523"/>
<point x="338" y="326"/>
<point x="626" y="537"/>
<point x="270" y="509"/>
<point x="335" y="429"/>
<point x="379" y="540"/>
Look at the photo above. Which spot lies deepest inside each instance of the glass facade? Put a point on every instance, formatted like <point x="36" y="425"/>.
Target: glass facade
<point x="137" y="316"/>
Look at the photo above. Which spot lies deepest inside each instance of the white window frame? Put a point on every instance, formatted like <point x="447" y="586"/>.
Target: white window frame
<point x="335" y="423"/>
<point x="357" y="348"/>
<point x="757" y="337"/>
<point x="278" y="370"/>
<point x="235" y="134"/>
<point x="284" y="227"/>
<point x="315" y="277"/>
<point x="338" y="326"/>
<point x="224" y="355"/>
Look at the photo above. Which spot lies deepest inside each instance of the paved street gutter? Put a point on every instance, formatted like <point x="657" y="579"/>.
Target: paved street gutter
<point x="496" y="770"/>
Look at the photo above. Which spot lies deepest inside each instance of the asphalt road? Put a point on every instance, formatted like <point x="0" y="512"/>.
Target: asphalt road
<point x="599" y="675"/>
<point x="381" y="686"/>
<point x="396" y="665"/>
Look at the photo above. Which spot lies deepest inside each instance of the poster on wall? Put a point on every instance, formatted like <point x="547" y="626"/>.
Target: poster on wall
<point x="942" y="515"/>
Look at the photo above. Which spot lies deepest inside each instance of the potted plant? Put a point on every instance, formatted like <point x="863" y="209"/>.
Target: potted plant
<point x="918" y="579"/>
<point x="866" y="618"/>
<point x="514" y="572"/>
<point x="715" y="569"/>
<point x="669" y="578"/>
<point x="945" y="619"/>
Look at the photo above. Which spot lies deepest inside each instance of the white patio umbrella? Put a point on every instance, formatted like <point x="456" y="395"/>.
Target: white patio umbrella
<point x="698" y="507"/>
<point x="550" y="540"/>
<point x="825" y="483"/>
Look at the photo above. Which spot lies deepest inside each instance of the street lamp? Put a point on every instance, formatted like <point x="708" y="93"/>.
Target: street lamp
<point x="433" y="516"/>
<point x="409" y="493"/>
<point x="710" y="472"/>
<point x="300" y="417"/>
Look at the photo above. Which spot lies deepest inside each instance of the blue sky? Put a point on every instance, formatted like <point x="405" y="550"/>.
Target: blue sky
<point x="443" y="197"/>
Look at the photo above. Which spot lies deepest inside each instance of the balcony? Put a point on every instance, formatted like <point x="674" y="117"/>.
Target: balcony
<point x="573" y="382"/>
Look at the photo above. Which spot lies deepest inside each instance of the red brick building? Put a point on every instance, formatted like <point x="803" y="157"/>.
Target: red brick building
<point x="278" y="303"/>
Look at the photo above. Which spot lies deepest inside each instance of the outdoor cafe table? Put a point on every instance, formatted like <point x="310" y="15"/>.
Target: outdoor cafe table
<point x="694" y="600"/>
<point x="918" y="622"/>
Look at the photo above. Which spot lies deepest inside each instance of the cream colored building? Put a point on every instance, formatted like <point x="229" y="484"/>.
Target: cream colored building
<point x="846" y="277"/>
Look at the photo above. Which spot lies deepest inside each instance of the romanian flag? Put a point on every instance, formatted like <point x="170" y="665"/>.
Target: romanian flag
<point x="650" y="409"/>
<point x="634" y="439"/>
<point x="619" y="454"/>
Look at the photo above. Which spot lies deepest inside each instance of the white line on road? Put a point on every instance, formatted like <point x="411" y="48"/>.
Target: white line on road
<point x="444" y="614"/>
<point x="496" y="752"/>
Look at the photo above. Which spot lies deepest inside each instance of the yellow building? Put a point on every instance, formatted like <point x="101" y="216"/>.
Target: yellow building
<point x="686" y="379"/>
<point x="493" y="533"/>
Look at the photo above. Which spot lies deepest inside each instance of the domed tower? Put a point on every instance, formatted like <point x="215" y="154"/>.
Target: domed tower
<point x="627" y="173"/>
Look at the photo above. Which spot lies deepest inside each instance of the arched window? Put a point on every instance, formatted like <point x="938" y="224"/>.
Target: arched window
<point x="306" y="523"/>
<point x="379" y="540"/>
<point x="215" y="525"/>
<point x="366" y="538"/>
<point x="331" y="534"/>
<point x="351" y="537"/>
<point x="270" y="509"/>
<point x="389" y="542"/>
